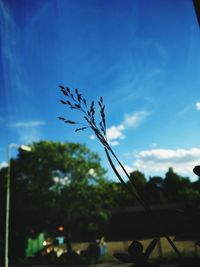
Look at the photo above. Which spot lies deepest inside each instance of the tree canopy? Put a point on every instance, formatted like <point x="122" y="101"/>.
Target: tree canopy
<point x="65" y="184"/>
<point x="56" y="183"/>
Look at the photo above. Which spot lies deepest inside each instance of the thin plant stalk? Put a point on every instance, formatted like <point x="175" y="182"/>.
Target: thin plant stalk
<point x="79" y="103"/>
<point x="133" y="188"/>
<point x="145" y="205"/>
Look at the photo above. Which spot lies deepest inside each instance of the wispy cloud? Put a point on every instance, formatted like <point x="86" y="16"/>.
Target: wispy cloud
<point x="16" y="89"/>
<point x="128" y="168"/>
<point x="135" y="119"/>
<point x="28" y="131"/>
<point x="159" y="160"/>
<point x="116" y="132"/>
<point x="197" y="105"/>
<point x="26" y="124"/>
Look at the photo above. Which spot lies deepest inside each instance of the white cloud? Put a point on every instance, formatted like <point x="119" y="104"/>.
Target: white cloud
<point x="159" y="160"/>
<point x="3" y="164"/>
<point x="128" y="168"/>
<point x="115" y="133"/>
<point x="28" y="131"/>
<point x="198" y="105"/>
<point x="26" y="124"/>
<point x="134" y="119"/>
<point x="114" y="143"/>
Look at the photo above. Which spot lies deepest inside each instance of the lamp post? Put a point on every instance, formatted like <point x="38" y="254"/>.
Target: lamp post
<point x="26" y="148"/>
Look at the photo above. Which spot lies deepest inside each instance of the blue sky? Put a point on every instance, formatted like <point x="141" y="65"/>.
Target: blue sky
<point x="141" y="56"/>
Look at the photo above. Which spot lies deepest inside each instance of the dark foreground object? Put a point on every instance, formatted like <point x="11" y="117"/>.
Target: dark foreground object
<point x="90" y="256"/>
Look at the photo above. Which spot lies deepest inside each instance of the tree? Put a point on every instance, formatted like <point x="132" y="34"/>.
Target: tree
<point x="154" y="189"/>
<point x="54" y="184"/>
<point x="175" y="185"/>
<point x="139" y="180"/>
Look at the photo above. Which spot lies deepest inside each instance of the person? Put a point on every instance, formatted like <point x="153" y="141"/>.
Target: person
<point x="102" y="246"/>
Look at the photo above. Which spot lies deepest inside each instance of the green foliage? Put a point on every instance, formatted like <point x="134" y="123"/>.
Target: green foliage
<point x="56" y="183"/>
<point x="49" y="177"/>
<point x="138" y="178"/>
<point x="136" y="185"/>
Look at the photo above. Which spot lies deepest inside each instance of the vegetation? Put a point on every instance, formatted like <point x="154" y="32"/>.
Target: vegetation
<point x="76" y="101"/>
<point x="64" y="184"/>
<point x="56" y="184"/>
<point x="50" y="185"/>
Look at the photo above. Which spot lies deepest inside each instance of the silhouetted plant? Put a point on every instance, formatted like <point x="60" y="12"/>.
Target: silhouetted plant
<point x="77" y="102"/>
<point x="196" y="170"/>
<point x="74" y="100"/>
<point x="192" y="212"/>
<point x="137" y="256"/>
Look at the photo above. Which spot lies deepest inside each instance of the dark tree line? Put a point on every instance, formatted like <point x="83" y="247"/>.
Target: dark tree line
<point x="64" y="184"/>
<point x="170" y="188"/>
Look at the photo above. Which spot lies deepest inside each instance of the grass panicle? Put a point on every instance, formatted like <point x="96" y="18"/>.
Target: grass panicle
<point x="77" y="102"/>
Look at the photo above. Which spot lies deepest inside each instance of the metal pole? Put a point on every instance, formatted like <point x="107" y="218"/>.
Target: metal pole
<point x="7" y="208"/>
<point x="7" y="225"/>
